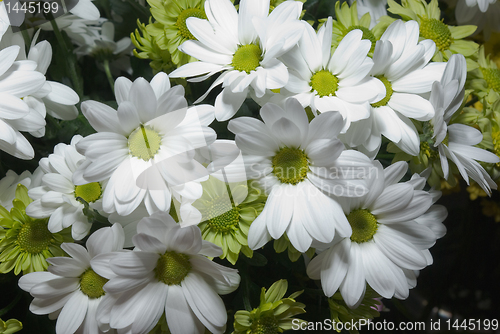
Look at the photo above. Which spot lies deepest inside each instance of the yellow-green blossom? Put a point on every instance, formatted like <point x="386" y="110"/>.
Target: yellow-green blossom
<point x="228" y="211"/>
<point x="449" y="39"/>
<point x="274" y="314"/>
<point x="486" y="79"/>
<point x="25" y="242"/>
<point x="347" y="20"/>
<point x="10" y="326"/>
<point x="171" y="29"/>
<point x="151" y="44"/>
<point x="368" y="309"/>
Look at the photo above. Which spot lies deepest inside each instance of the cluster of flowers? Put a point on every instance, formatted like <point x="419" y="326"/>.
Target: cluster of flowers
<point x="304" y="174"/>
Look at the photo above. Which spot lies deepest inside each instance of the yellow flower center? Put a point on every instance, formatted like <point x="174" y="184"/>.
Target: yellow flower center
<point x="324" y="83"/>
<point x="144" y="143"/>
<point x="429" y="151"/>
<point x="437" y="31"/>
<point x="184" y="15"/>
<point x="247" y="58"/>
<point x="91" y="284"/>
<point x="492" y="77"/>
<point x="34" y="237"/>
<point x="290" y="165"/>
<point x="89" y="192"/>
<point x="388" y="92"/>
<point x="226" y="217"/>
<point x="367" y="34"/>
<point x="172" y="268"/>
<point x="267" y="325"/>
<point x="363" y="224"/>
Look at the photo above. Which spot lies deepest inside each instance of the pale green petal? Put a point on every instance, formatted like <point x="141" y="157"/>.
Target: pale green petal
<point x="462" y="31"/>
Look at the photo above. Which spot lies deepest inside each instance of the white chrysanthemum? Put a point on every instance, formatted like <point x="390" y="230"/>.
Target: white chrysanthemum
<point x="146" y="148"/>
<point x="482" y="13"/>
<point x="100" y="44"/>
<point x="393" y="226"/>
<point x="456" y="141"/>
<point x="18" y="79"/>
<point x="58" y="198"/>
<point x="53" y="98"/>
<point x="71" y="290"/>
<point x="38" y="96"/>
<point x="167" y="273"/>
<point x="8" y="185"/>
<point x="243" y="45"/>
<point x="296" y="163"/>
<point x="339" y="80"/>
<point x="376" y="8"/>
<point x="401" y="63"/>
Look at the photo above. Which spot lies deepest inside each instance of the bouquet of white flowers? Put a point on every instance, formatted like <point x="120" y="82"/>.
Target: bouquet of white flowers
<point x="143" y="199"/>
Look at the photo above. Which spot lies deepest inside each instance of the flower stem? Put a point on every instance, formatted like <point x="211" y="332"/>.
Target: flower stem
<point x="71" y="63"/>
<point x="108" y="74"/>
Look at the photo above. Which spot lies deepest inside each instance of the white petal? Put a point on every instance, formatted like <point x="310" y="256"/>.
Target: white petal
<point x="72" y="314"/>
<point x="180" y="317"/>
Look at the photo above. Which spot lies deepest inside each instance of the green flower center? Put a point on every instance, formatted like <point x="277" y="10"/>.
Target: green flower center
<point x="492" y="77"/>
<point x="172" y="268"/>
<point x="91" y="284"/>
<point x="367" y="34"/>
<point x="388" y="92"/>
<point x="181" y="21"/>
<point x="324" y="83"/>
<point x="290" y="165"/>
<point x="34" y="237"/>
<point x="144" y="143"/>
<point x="247" y="58"/>
<point x="437" y="31"/>
<point x="89" y="192"/>
<point x="267" y="325"/>
<point x="225" y="222"/>
<point x="363" y="224"/>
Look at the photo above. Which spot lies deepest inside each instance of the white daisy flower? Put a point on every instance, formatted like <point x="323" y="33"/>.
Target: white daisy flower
<point x="58" y="198"/>
<point x="100" y="44"/>
<point x="18" y="79"/>
<point x="8" y="185"/>
<point x="376" y="8"/>
<point x="339" y="80"/>
<point x="167" y="273"/>
<point x="456" y="141"/>
<point x="72" y="290"/>
<point x="146" y="148"/>
<point x="296" y="163"/>
<point x="53" y="98"/>
<point x="401" y="63"/>
<point x="244" y="45"/>
<point x="389" y="240"/>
